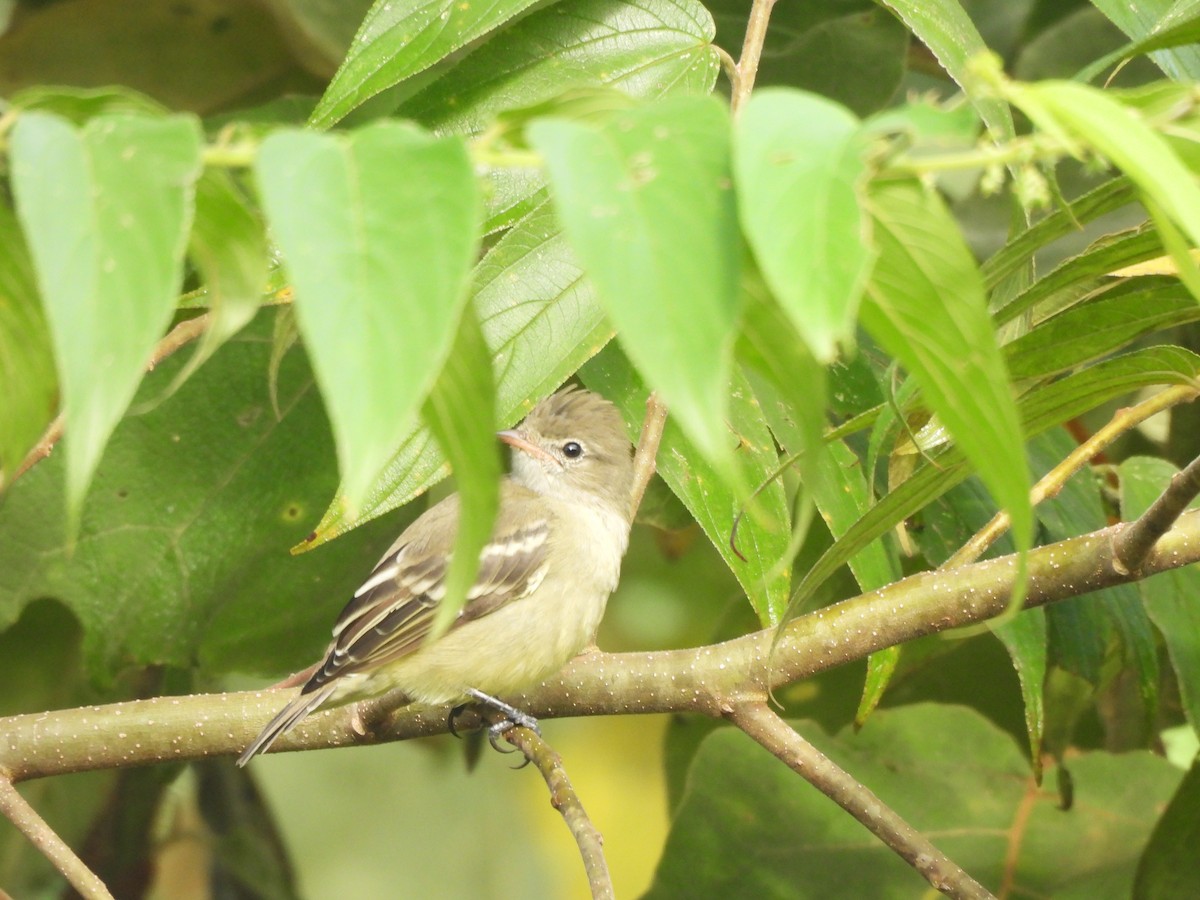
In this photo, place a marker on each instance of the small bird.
(544, 577)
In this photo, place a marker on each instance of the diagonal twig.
(54, 848)
(645, 461)
(1133, 543)
(566, 801)
(761, 723)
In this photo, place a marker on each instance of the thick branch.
(704, 680)
(566, 801)
(761, 723)
(42, 836)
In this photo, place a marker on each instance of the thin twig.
(647, 450)
(42, 836)
(1054, 480)
(177, 337)
(761, 723)
(752, 47)
(1133, 543)
(566, 801)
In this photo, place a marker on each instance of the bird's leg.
(513, 717)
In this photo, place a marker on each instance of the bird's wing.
(394, 609)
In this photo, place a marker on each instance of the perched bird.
(544, 577)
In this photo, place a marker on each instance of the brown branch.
(700, 680)
(42, 836)
(752, 47)
(1133, 543)
(1053, 481)
(645, 461)
(761, 723)
(566, 801)
(186, 331)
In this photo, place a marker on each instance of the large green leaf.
(800, 171)
(645, 48)
(541, 322)
(379, 244)
(106, 210)
(182, 556)
(748, 826)
(1167, 868)
(398, 39)
(27, 381)
(926, 306)
(759, 561)
(647, 202)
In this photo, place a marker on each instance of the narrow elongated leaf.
(1145, 18)
(106, 209)
(541, 322)
(461, 413)
(763, 533)
(379, 243)
(1081, 276)
(398, 39)
(646, 49)
(27, 380)
(1098, 329)
(647, 202)
(926, 306)
(1041, 409)
(1170, 33)
(1123, 138)
(1170, 599)
(944, 27)
(800, 170)
(229, 249)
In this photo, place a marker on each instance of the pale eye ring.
(572, 449)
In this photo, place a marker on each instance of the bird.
(545, 575)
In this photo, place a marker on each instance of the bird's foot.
(513, 718)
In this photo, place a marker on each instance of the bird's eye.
(572, 450)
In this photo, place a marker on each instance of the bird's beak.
(519, 441)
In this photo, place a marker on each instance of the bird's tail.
(285, 720)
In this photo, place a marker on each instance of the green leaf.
(926, 306)
(1093, 330)
(1014, 255)
(763, 533)
(944, 27)
(647, 202)
(750, 827)
(379, 244)
(1024, 637)
(182, 557)
(1170, 33)
(229, 249)
(1146, 18)
(1084, 275)
(541, 322)
(106, 210)
(1121, 136)
(1169, 598)
(799, 164)
(27, 380)
(461, 414)
(399, 39)
(1168, 866)
(646, 48)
